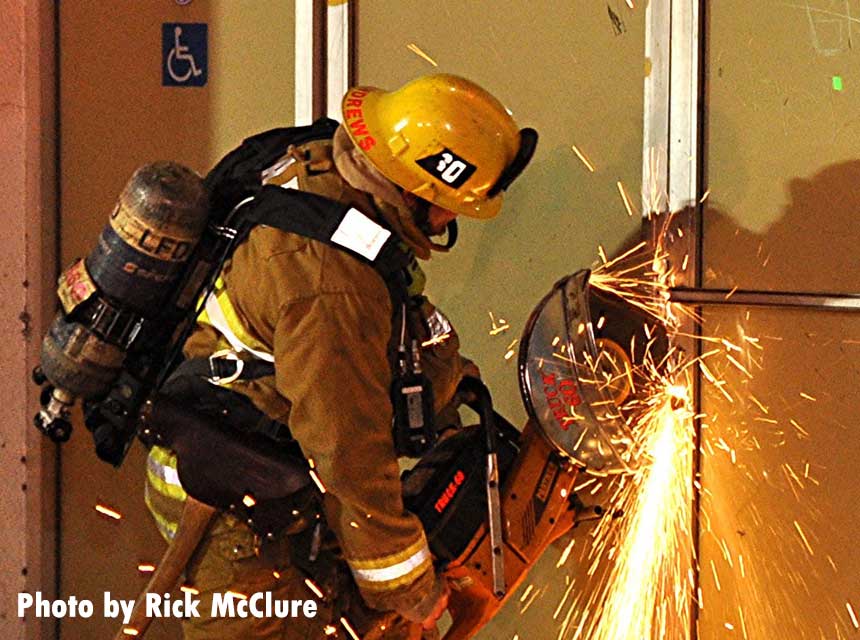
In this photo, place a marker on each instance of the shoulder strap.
(237, 175)
(337, 225)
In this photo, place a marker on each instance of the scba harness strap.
(238, 175)
(335, 224)
(237, 184)
(240, 202)
(322, 219)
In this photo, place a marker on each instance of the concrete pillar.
(28, 223)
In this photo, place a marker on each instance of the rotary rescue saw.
(491, 508)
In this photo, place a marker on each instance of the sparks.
(649, 554)
(146, 568)
(641, 569)
(498, 327)
(565, 554)
(106, 511)
(640, 562)
(853, 615)
(314, 588)
(345, 623)
(432, 342)
(317, 480)
(414, 48)
(527, 592)
(803, 537)
(582, 157)
(602, 253)
(627, 203)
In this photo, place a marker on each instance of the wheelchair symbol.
(180, 59)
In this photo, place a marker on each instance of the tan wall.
(115, 117)
(783, 156)
(27, 271)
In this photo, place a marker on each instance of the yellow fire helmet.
(442, 138)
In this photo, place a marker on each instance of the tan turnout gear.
(325, 320)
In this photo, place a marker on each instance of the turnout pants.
(227, 561)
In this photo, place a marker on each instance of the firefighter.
(411, 160)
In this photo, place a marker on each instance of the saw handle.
(478, 398)
(475, 395)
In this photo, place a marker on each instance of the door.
(778, 532)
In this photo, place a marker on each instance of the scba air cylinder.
(130, 276)
(152, 232)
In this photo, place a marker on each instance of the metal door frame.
(325, 57)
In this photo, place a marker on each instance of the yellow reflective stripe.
(203, 318)
(376, 584)
(165, 480)
(162, 456)
(394, 570)
(220, 313)
(162, 477)
(165, 527)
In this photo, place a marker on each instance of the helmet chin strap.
(450, 240)
(421, 215)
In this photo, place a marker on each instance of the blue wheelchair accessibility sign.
(184, 54)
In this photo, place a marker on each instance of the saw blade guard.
(574, 380)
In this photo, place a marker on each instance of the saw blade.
(577, 366)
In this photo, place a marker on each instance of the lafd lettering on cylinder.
(164, 247)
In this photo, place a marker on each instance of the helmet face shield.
(440, 137)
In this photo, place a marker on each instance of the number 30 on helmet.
(443, 138)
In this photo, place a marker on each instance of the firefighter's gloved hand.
(429, 623)
(431, 608)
